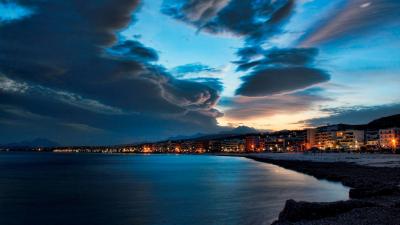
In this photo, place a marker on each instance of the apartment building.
(389, 138)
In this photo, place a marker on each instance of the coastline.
(374, 194)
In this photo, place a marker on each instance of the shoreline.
(374, 197)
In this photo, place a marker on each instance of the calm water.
(87, 189)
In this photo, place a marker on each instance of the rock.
(357, 193)
(298, 211)
(396, 205)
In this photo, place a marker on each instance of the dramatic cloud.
(274, 70)
(252, 19)
(136, 50)
(280, 71)
(199, 73)
(355, 114)
(277, 57)
(273, 112)
(280, 80)
(89, 72)
(249, 52)
(65, 63)
(8, 85)
(242, 108)
(353, 19)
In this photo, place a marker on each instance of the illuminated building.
(389, 138)
(310, 138)
(187, 146)
(372, 139)
(252, 143)
(350, 139)
(201, 146)
(325, 139)
(261, 145)
(232, 145)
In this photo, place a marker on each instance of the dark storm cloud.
(254, 19)
(214, 83)
(280, 71)
(199, 73)
(271, 81)
(190, 94)
(196, 12)
(278, 57)
(65, 62)
(292, 56)
(355, 115)
(136, 50)
(352, 20)
(249, 52)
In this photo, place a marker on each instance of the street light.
(394, 143)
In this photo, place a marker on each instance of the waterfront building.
(389, 138)
(200, 146)
(372, 139)
(252, 143)
(350, 139)
(295, 140)
(187, 146)
(232, 145)
(261, 145)
(176, 147)
(310, 138)
(277, 145)
(325, 140)
(214, 146)
(326, 136)
(147, 148)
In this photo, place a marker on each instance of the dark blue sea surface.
(91, 189)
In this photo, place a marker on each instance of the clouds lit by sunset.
(120, 71)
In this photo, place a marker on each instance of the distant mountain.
(241, 130)
(36, 143)
(184, 137)
(385, 122)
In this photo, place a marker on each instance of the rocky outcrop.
(299, 211)
(366, 192)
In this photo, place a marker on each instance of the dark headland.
(374, 194)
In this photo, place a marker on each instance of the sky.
(124, 71)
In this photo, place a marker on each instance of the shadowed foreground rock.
(298, 211)
(359, 193)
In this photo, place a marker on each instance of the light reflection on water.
(152, 189)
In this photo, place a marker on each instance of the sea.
(118, 189)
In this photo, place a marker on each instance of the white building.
(232, 145)
(350, 139)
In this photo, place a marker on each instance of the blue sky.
(109, 72)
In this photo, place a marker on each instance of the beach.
(373, 178)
